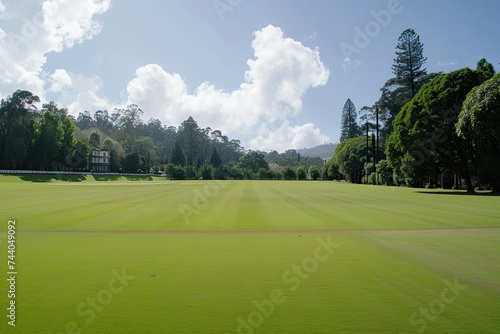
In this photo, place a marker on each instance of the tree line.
(50, 139)
(426, 129)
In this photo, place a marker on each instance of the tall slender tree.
(215, 159)
(349, 127)
(178, 158)
(189, 135)
(409, 61)
(366, 116)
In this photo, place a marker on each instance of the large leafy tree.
(253, 161)
(479, 122)
(79, 156)
(409, 77)
(215, 159)
(424, 144)
(190, 138)
(17, 115)
(485, 68)
(68, 142)
(178, 158)
(84, 120)
(350, 157)
(103, 122)
(131, 162)
(47, 143)
(348, 126)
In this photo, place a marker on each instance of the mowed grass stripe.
(287, 204)
(203, 276)
(207, 282)
(315, 210)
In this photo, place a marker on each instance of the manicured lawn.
(138, 256)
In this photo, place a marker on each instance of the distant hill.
(324, 151)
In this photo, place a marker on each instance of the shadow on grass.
(139, 178)
(50, 178)
(459, 192)
(104, 177)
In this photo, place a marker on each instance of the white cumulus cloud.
(26, 40)
(60, 79)
(261, 109)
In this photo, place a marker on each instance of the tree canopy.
(424, 144)
(479, 123)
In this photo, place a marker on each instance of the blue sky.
(274, 74)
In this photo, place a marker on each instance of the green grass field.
(150, 256)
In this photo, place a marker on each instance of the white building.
(99, 161)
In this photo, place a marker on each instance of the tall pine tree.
(215, 159)
(409, 61)
(349, 128)
(409, 77)
(178, 158)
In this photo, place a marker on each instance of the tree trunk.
(376, 150)
(468, 181)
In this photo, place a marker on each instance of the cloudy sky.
(272, 73)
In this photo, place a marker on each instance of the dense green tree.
(235, 172)
(215, 159)
(253, 161)
(301, 173)
(331, 170)
(314, 172)
(292, 155)
(68, 142)
(146, 147)
(350, 157)
(485, 69)
(16, 148)
(384, 172)
(170, 171)
(84, 120)
(131, 162)
(178, 158)
(190, 172)
(206, 172)
(189, 137)
(114, 157)
(47, 142)
(103, 122)
(424, 144)
(79, 157)
(17, 116)
(479, 122)
(348, 126)
(66, 154)
(179, 173)
(289, 173)
(265, 174)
